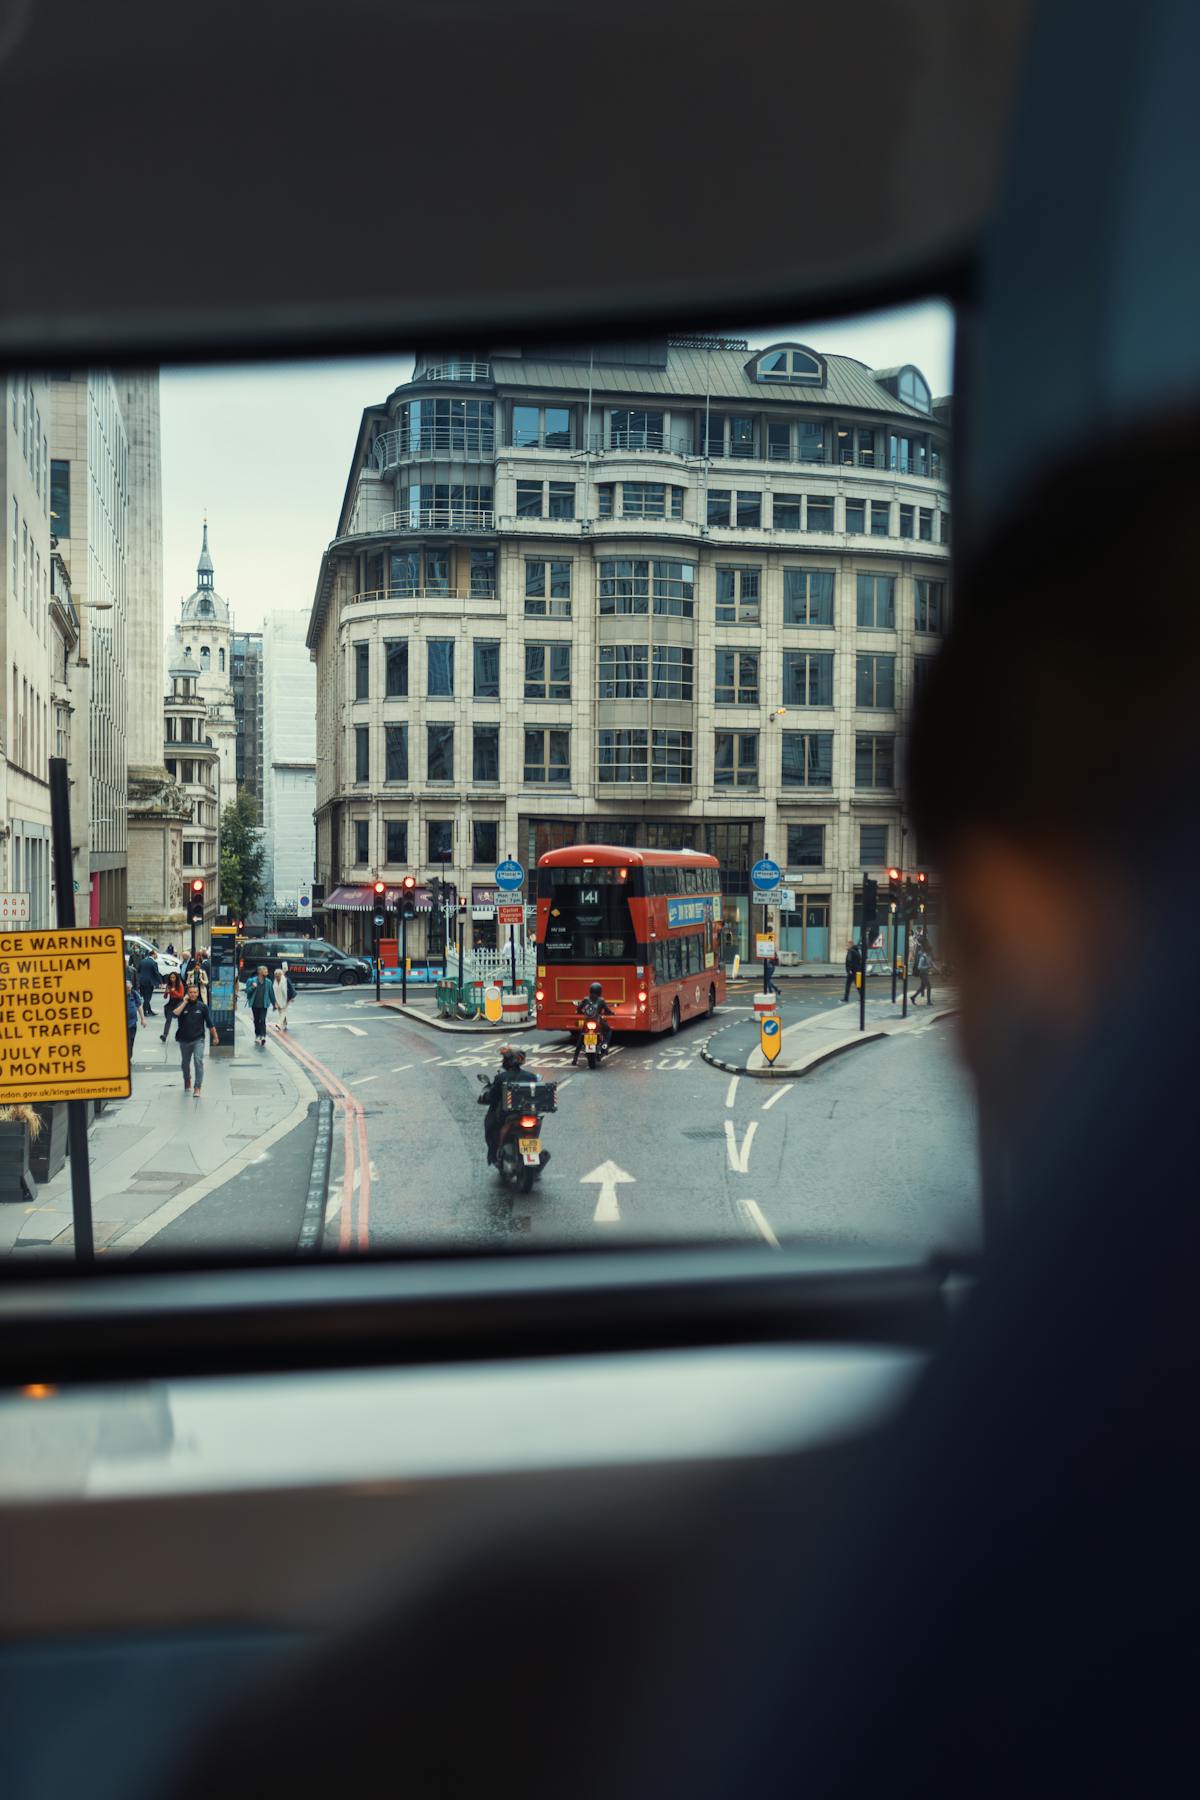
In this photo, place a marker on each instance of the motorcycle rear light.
(529, 1124)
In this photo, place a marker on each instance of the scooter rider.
(511, 1069)
(595, 1007)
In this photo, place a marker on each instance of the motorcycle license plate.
(589, 1040)
(530, 1148)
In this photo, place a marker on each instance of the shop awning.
(361, 898)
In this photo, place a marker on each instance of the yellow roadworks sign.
(769, 1035)
(63, 1033)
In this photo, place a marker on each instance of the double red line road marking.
(354, 1139)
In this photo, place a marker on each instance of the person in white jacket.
(282, 996)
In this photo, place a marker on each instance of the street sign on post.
(63, 1034)
(764, 946)
(509, 875)
(769, 1036)
(765, 874)
(509, 915)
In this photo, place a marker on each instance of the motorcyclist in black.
(595, 1007)
(512, 1068)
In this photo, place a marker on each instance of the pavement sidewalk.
(154, 1155)
(812, 1040)
(423, 1006)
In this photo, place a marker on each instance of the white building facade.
(676, 594)
(27, 715)
(289, 762)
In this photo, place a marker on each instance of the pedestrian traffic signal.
(870, 901)
(195, 904)
(895, 885)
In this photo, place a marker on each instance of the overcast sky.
(266, 452)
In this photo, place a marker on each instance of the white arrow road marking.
(754, 1216)
(356, 1029)
(607, 1175)
(739, 1160)
(731, 1091)
(776, 1098)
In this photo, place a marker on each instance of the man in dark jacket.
(194, 1029)
(512, 1068)
(853, 966)
(147, 977)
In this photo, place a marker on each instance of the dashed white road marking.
(739, 1159)
(430, 1059)
(776, 1098)
(333, 1209)
(362, 1080)
(731, 1091)
(402, 1069)
(755, 1217)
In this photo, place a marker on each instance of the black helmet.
(510, 1058)
(595, 991)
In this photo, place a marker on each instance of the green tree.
(242, 858)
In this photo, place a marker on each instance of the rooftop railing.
(455, 369)
(404, 591)
(438, 518)
(393, 446)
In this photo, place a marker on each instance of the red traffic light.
(922, 878)
(380, 887)
(408, 883)
(893, 874)
(198, 885)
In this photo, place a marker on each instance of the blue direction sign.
(509, 875)
(769, 1037)
(765, 873)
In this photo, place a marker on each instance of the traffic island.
(736, 1048)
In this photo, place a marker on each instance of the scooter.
(520, 1158)
(590, 1039)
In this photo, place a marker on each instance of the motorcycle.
(520, 1158)
(590, 1039)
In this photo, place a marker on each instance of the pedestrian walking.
(174, 992)
(133, 1017)
(147, 980)
(923, 965)
(770, 964)
(260, 996)
(285, 993)
(192, 1033)
(854, 965)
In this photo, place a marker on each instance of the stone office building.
(674, 594)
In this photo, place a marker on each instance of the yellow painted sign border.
(54, 1013)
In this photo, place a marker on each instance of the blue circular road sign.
(765, 873)
(509, 874)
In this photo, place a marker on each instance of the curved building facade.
(670, 594)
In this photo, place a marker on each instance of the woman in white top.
(281, 996)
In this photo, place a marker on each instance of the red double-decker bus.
(646, 924)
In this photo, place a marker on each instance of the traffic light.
(895, 886)
(380, 889)
(408, 889)
(922, 889)
(870, 900)
(195, 904)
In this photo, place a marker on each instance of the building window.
(530, 499)
(806, 846)
(627, 585)
(433, 427)
(671, 758)
(622, 756)
(907, 520)
(874, 760)
(930, 597)
(736, 678)
(881, 518)
(396, 840)
(485, 842)
(362, 841)
(485, 753)
(439, 835)
(485, 656)
(221, 660)
(787, 512)
(720, 506)
(440, 667)
(875, 680)
(362, 671)
(395, 669)
(727, 436)
(548, 758)
(623, 672)
(807, 759)
(483, 574)
(605, 502)
(60, 499)
(548, 590)
(362, 753)
(808, 678)
(749, 509)
(925, 524)
(561, 495)
(789, 365)
(672, 672)
(645, 500)
(439, 752)
(944, 534)
(547, 671)
(921, 668)
(856, 518)
(541, 427)
(632, 428)
(205, 656)
(872, 846)
(779, 443)
(808, 596)
(877, 602)
(737, 507)
(819, 513)
(737, 597)
(856, 446)
(395, 753)
(189, 851)
(736, 759)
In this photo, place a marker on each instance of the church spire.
(204, 568)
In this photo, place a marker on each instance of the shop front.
(804, 931)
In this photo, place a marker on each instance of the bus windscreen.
(589, 920)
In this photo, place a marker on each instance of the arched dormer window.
(788, 362)
(908, 384)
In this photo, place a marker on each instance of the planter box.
(16, 1182)
(49, 1154)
